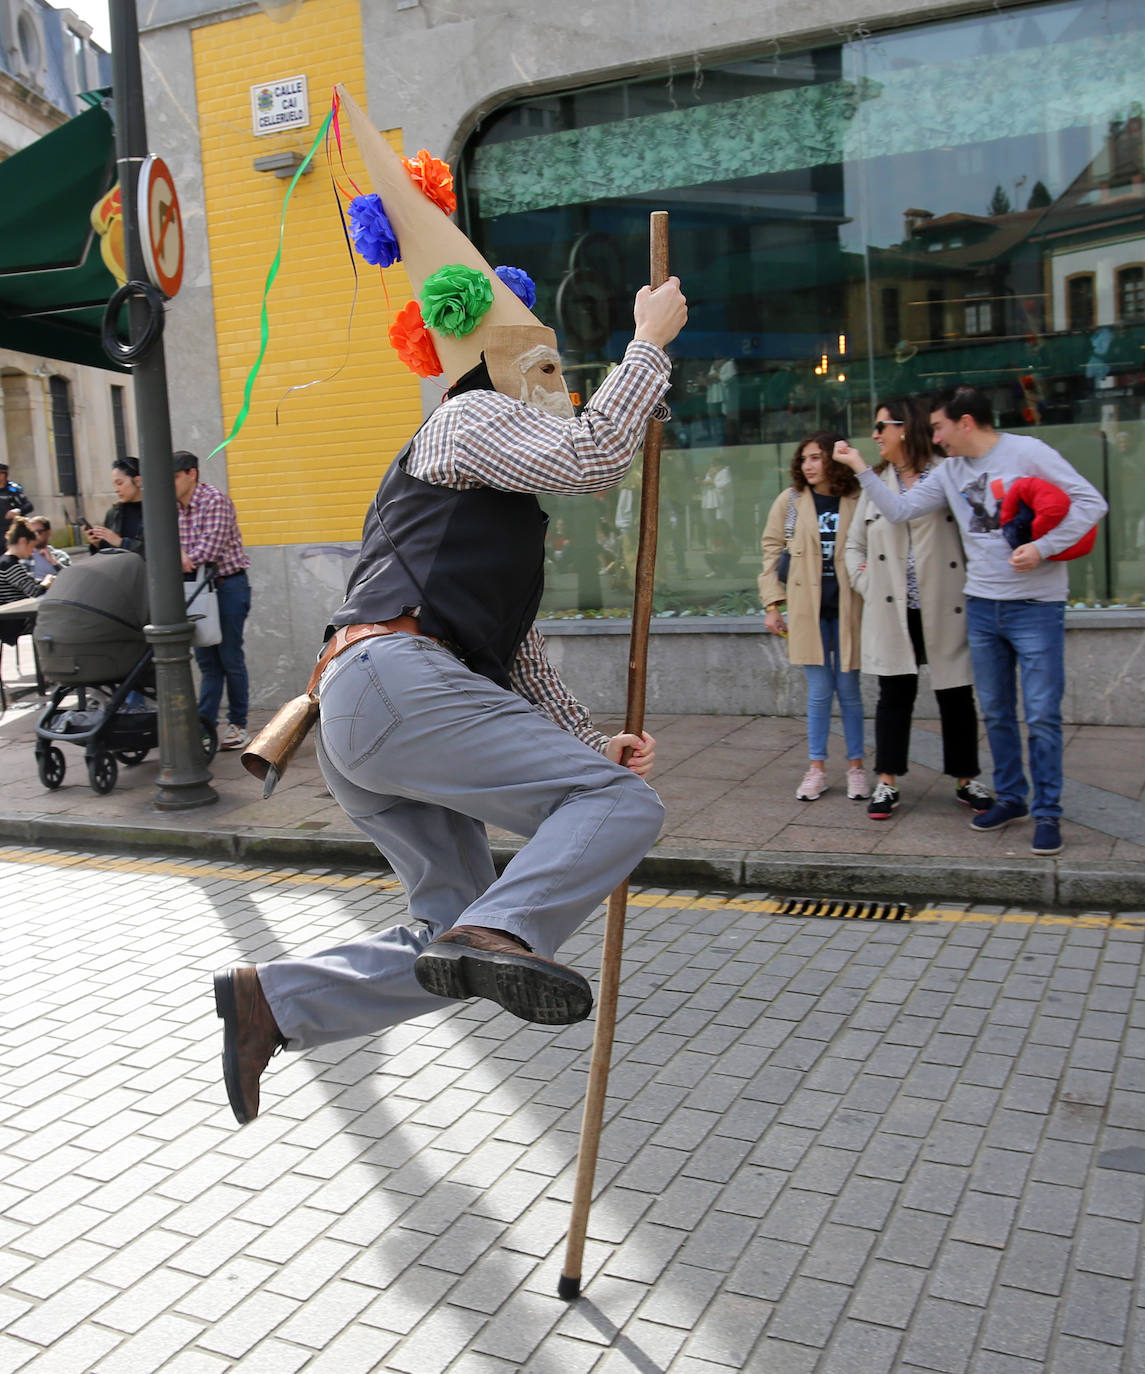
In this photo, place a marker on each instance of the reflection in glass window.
(979, 315)
(890, 305)
(934, 315)
(1131, 294)
(1081, 297)
(961, 200)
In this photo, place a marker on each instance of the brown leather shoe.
(472, 961)
(250, 1037)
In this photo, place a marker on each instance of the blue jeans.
(1029, 635)
(824, 681)
(225, 661)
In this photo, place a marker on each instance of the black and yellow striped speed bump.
(845, 910)
(775, 906)
(833, 908)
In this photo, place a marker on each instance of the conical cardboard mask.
(508, 333)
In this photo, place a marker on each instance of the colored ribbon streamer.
(340, 192)
(337, 105)
(272, 273)
(336, 187)
(337, 128)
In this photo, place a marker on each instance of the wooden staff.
(569, 1284)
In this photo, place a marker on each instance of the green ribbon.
(272, 273)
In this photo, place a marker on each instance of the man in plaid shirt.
(209, 533)
(446, 715)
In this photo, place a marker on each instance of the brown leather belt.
(346, 636)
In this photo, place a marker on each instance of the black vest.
(470, 565)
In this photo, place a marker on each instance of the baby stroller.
(90, 641)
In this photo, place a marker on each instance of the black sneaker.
(1047, 838)
(883, 801)
(973, 794)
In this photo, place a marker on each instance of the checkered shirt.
(485, 439)
(209, 531)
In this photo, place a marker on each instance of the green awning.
(53, 282)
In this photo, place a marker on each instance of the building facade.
(861, 205)
(61, 425)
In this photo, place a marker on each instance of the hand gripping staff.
(569, 1285)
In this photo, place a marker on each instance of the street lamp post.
(184, 779)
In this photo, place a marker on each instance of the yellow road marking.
(172, 868)
(687, 903)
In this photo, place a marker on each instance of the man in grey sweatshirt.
(1015, 598)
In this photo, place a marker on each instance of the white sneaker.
(857, 787)
(234, 737)
(813, 786)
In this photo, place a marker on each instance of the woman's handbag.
(783, 566)
(203, 607)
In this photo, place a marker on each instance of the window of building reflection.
(958, 201)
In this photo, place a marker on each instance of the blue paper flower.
(520, 283)
(372, 232)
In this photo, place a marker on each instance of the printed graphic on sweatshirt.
(982, 519)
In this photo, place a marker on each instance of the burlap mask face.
(524, 364)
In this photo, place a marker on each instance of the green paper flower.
(454, 299)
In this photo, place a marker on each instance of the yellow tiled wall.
(310, 477)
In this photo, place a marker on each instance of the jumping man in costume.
(440, 712)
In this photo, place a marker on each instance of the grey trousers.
(421, 754)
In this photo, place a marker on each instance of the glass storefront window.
(959, 201)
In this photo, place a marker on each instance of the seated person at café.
(46, 559)
(16, 582)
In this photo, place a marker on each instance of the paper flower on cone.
(454, 299)
(373, 235)
(412, 342)
(520, 283)
(434, 178)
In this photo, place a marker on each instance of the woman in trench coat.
(823, 613)
(911, 577)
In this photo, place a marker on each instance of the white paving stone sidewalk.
(832, 1147)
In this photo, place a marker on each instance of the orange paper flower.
(434, 179)
(412, 342)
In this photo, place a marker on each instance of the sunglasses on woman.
(880, 425)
